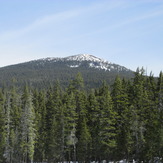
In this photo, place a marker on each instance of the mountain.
(42, 72)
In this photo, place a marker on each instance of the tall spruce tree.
(8, 147)
(138, 111)
(27, 127)
(15, 107)
(40, 120)
(121, 106)
(70, 125)
(94, 125)
(160, 110)
(75, 90)
(2, 127)
(151, 120)
(83, 133)
(55, 125)
(84, 139)
(107, 131)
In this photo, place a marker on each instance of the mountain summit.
(41, 72)
(87, 60)
(84, 57)
(79, 57)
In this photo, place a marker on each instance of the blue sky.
(126, 32)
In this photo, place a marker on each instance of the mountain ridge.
(103, 64)
(78, 57)
(47, 70)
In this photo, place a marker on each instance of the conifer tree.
(70, 125)
(14, 126)
(75, 108)
(151, 120)
(138, 111)
(40, 120)
(94, 125)
(83, 133)
(160, 111)
(2, 127)
(84, 140)
(76, 84)
(121, 106)
(55, 125)
(107, 131)
(27, 127)
(8, 147)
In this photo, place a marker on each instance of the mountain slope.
(42, 72)
(78, 60)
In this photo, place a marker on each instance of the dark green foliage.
(123, 120)
(107, 130)
(94, 125)
(160, 112)
(27, 127)
(52, 125)
(41, 73)
(84, 140)
(39, 103)
(2, 127)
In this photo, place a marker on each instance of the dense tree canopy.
(124, 120)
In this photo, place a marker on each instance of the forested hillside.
(42, 72)
(123, 121)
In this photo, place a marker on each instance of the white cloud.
(40, 22)
(131, 20)
(60, 17)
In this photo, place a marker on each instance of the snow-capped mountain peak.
(84, 57)
(91, 61)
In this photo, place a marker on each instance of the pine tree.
(40, 120)
(14, 126)
(76, 84)
(84, 140)
(94, 125)
(27, 127)
(75, 91)
(160, 111)
(121, 106)
(2, 127)
(151, 120)
(83, 133)
(55, 125)
(70, 125)
(138, 111)
(49, 120)
(107, 131)
(8, 147)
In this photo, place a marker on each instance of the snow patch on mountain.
(100, 66)
(49, 59)
(79, 57)
(74, 66)
(92, 61)
(84, 57)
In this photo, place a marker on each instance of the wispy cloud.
(60, 17)
(95, 8)
(56, 18)
(130, 20)
(40, 23)
(138, 18)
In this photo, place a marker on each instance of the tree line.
(123, 121)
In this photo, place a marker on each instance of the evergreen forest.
(110, 122)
